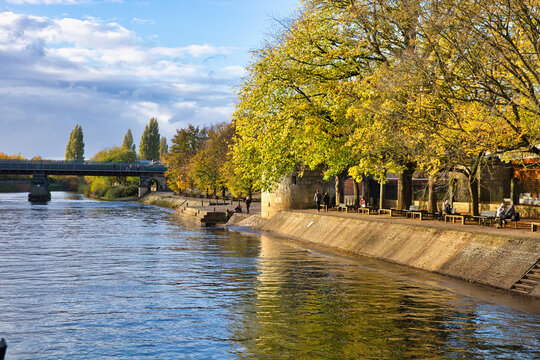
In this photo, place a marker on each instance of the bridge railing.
(83, 166)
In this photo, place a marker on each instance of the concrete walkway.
(470, 226)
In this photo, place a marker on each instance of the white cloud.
(58, 72)
(235, 71)
(143, 21)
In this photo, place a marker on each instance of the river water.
(81, 279)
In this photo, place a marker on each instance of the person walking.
(248, 203)
(318, 199)
(326, 201)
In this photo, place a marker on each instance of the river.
(81, 279)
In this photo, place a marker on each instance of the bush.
(124, 191)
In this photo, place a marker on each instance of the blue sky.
(111, 65)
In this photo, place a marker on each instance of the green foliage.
(75, 146)
(112, 187)
(163, 147)
(115, 154)
(370, 86)
(128, 141)
(150, 141)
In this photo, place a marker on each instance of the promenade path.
(470, 227)
(255, 209)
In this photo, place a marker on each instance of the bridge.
(147, 172)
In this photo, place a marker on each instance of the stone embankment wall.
(499, 260)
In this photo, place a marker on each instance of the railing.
(82, 167)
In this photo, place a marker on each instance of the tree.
(163, 147)
(75, 146)
(150, 140)
(184, 146)
(206, 166)
(287, 116)
(128, 141)
(112, 186)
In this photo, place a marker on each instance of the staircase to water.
(529, 281)
(202, 217)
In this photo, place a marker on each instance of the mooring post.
(3, 348)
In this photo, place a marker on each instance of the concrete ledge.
(499, 260)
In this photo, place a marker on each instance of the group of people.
(321, 199)
(503, 214)
(238, 207)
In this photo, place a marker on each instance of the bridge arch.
(146, 182)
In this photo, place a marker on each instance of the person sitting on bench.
(501, 215)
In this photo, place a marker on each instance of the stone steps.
(529, 281)
(202, 217)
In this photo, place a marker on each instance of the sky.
(111, 65)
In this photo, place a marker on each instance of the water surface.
(81, 279)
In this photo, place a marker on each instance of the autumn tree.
(287, 116)
(128, 141)
(150, 141)
(75, 146)
(206, 166)
(184, 146)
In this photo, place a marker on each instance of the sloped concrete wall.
(496, 260)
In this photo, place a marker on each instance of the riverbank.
(479, 254)
(484, 255)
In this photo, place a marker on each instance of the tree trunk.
(514, 191)
(474, 193)
(356, 194)
(405, 187)
(432, 195)
(452, 190)
(381, 196)
(339, 190)
(365, 189)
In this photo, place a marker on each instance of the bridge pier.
(39, 188)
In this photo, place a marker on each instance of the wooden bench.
(386, 211)
(368, 210)
(351, 208)
(485, 217)
(341, 207)
(414, 214)
(534, 226)
(454, 217)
